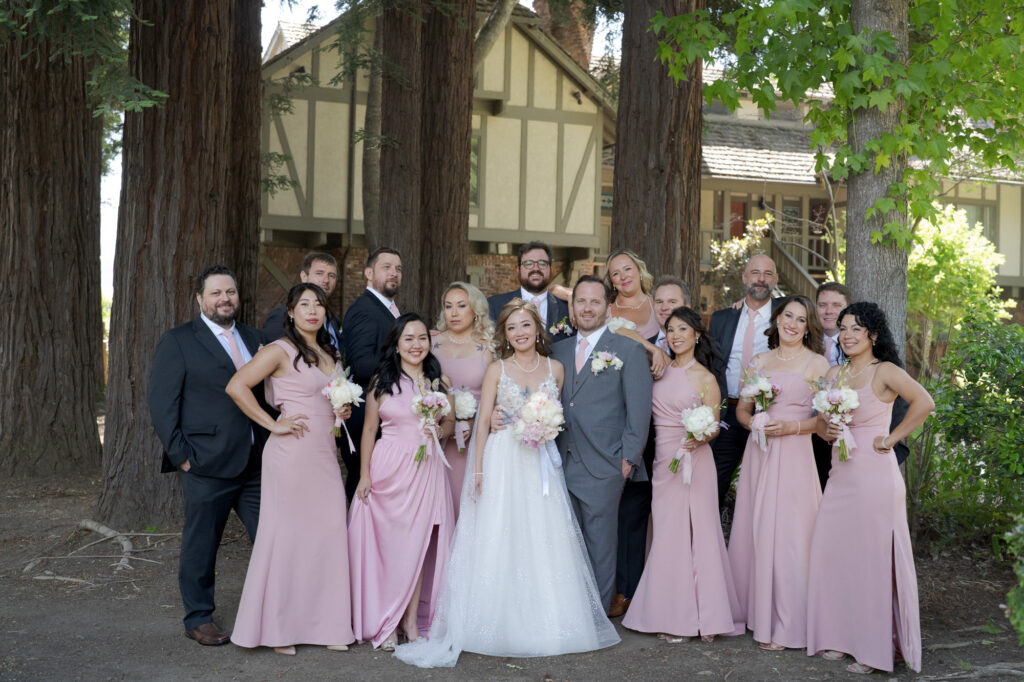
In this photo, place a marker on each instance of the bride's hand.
(478, 484)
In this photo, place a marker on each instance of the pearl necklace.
(782, 357)
(850, 373)
(638, 306)
(457, 343)
(523, 369)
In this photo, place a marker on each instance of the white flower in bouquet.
(617, 323)
(603, 360)
(465, 409)
(540, 419)
(342, 391)
(700, 424)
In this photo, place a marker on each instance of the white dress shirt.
(832, 357)
(381, 297)
(542, 307)
(734, 369)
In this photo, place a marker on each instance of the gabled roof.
(286, 35)
(760, 152)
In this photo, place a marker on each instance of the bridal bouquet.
(430, 405)
(700, 424)
(617, 323)
(540, 420)
(759, 389)
(465, 410)
(342, 391)
(836, 402)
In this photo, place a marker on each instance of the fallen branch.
(993, 670)
(110, 533)
(102, 556)
(62, 578)
(960, 645)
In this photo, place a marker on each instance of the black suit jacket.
(722, 331)
(367, 323)
(193, 416)
(273, 325)
(557, 309)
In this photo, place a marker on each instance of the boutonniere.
(562, 327)
(601, 360)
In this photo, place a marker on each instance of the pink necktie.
(829, 345)
(236, 355)
(394, 309)
(581, 354)
(536, 301)
(748, 338)
(663, 343)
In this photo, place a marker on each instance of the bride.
(518, 582)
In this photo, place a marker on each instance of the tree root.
(109, 533)
(1001, 670)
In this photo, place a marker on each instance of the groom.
(607, 413)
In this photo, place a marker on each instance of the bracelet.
(478, 473)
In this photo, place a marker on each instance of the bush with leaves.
(965, 475)
(1015, 600)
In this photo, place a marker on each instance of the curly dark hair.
(872, 318)
(704, 350)
(814, 337)
(389, 370)
(323, 337)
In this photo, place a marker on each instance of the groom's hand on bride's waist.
(498, 420)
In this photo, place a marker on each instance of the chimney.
(569, 26)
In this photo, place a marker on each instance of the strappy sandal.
(671, 639)
(390, 643)
(770, 646)
(707, 639)
(286, 650)
(860, 669)
(833, 655)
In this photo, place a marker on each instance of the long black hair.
(323, 339)
(704, 349)
(389, 370)
(872, 318)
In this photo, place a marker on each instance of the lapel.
(249, 337)
(553, 318)
(206, 339)
(732, 322)
(579, 380)
(382, 310)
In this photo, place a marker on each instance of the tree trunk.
(189, 198)
(50, 326)
(446, 137)
(877, 272)
(492, 29)
(401, 114)
(656, 192)
(371, 148)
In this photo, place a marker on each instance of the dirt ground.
(80, 618)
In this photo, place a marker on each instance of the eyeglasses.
(531, 263)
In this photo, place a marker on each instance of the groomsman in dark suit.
(738, 335)
(831, 298)
(534, 277)
(320, 269)
(635, 505)
(213, 446)
(367, 323)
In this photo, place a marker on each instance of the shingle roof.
(294, 33)
(757, 152)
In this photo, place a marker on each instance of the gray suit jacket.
(607, 415)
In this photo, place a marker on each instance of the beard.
(217, 318)
(534, 289)
(389, 289)
(759, 292)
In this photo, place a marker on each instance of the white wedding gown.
(519, 581)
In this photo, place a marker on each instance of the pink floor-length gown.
(465, 374)
(862, 595)
(297, 588)
(405, 524)
(686, 588)
(776, 503)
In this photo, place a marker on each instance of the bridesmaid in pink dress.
(628, 276)
(463, 345)
(297, 589)
(862, 596)
(778, 492)
(686, 588)
(400, 528)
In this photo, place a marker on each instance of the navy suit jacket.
(557, 309)
(193, 416)
(722, 331)
(367, 323)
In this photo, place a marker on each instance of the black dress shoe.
(208, 634)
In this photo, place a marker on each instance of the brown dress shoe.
(208, 634)
(619, 606)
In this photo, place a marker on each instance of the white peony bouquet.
(836, 403)
(540, 419)
(430, 405)
(465, 410)
(700, 424)
(342, 391)
(759, 389)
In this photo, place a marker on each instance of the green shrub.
(1015, 600)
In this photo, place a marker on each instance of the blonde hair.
(483, 328)
(515, 305)
(646, 278)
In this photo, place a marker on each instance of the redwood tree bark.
(656, 191)
(50, 327)
(877, 272)
(189, 198)
(446, 131)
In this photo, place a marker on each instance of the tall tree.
(933, 80)
(189, 198)
(50, 327)
(656, 192)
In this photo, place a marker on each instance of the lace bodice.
(512, 396)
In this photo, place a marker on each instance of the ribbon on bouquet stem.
(684, 455)
(339, 426)
(549, 461)
(846, 443)
(431, 437)
(757, 424)
(461, 431)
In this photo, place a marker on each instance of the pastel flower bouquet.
(465, 410)
(342, 391)
(540, 420)
(835, 402)
(759, 389)
(700, 424)
(430, 405)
